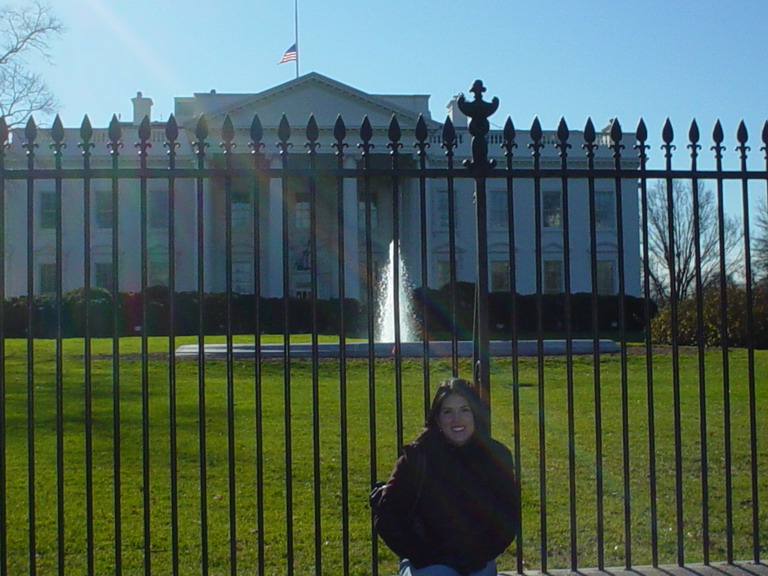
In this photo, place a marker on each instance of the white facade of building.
(326, 99)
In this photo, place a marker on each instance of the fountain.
(389, 286)
(411, 343)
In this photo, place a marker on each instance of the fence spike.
(509, 134)
(115, 131)
(536, 132)
(667, 133)
(284, 130)
(693, 132)
(422, 134)
(145, 133)
(742, 136)
(171, 137)
(421, 129)
(764, 135)
(449, 136)
(718, 136)
(30, 130)
(741, 133)
(86, 133)
(340, 134)
(641, 134)
(57, 131)
(393, 133)
(227, 133)
(145, 129)
(256, 133)
(366, 133)
(590, 135)
(201, 130)
(172, 129)
(717, 133)
(616, 132)
(589, 132)
(693, 138)
(3, 132)
(86, 129)
(313, 132)
(563, 133)
(339, 129)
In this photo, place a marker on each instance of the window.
(605, 210)
(303, 291)
(303, 260)
(104, 276)
(552, 209)
(157, 206)
(241, 209)
(499, 276)
(302, 216)
(242, 277)
(47, 278)
(553, 276)
(442, 212)
(498, 210)
(372, 199)
(442, 272)
(605, 277)
(157, 273)
(47, 210)
(103, 209)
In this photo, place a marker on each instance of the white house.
(326, 99)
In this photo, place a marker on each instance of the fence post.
(479, 166)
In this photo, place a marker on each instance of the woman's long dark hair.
(467, 391)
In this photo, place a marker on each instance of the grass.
(313, 414)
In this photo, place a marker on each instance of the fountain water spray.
(388, 287)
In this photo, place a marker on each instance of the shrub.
(709, 330)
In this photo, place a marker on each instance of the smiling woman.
(456, 420)
(451, 505)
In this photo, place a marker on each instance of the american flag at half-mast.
(290, 55)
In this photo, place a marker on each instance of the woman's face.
(456, 420)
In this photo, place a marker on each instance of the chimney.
(457, 116)
(141, 107)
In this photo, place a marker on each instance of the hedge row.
(437, 304)
(712, 333)
(526, 311)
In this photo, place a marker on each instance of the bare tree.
(760, 242)
(674, 248)
(24, 31)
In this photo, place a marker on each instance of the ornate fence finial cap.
(478, 112)
(478, 89)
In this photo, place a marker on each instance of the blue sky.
(575, 59)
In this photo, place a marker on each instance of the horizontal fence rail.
(621, 311)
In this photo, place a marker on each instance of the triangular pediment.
(311, 94)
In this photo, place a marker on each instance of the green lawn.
(303, 396)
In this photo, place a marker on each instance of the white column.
(212, 254)
(351, 244)
(273, 284)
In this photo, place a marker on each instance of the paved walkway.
(738, 569)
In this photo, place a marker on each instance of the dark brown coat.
(468, 512)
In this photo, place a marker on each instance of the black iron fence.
(120, 454)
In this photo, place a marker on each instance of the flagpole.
(296, 32)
